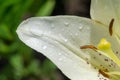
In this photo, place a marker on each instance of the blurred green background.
(17, 61)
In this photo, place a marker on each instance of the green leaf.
(46, 8)
(13, 47)
(5, 4)
(5, 32)
(16, 12)
(34, 67)
(17, 63)
(48, 67)
(3, 47)
(3, 77)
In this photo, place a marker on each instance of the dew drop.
(60, 59)
(80, 28)
(66, 24)
(76, 34)
(66, 40)
(59, 54)
(44, 47)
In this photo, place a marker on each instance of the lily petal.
(59, 38)
(106, 10)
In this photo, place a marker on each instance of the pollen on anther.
(88, 46)
(104, 74)
(111, 27)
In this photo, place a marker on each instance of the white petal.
(59, 38)
(105, 10)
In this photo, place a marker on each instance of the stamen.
(88, 46)
(104, 73)
(110, 27)
(104, 47)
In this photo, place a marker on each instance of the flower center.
(104, 47)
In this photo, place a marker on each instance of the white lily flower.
(61, 37)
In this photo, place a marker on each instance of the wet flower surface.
(82, 48)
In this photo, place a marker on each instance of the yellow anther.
(104, 45)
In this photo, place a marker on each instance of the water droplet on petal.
(76, 34)
(60, 59)
(59, 54)
(80, 28)
(44, 47)
(66, 40)
(67, 24)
